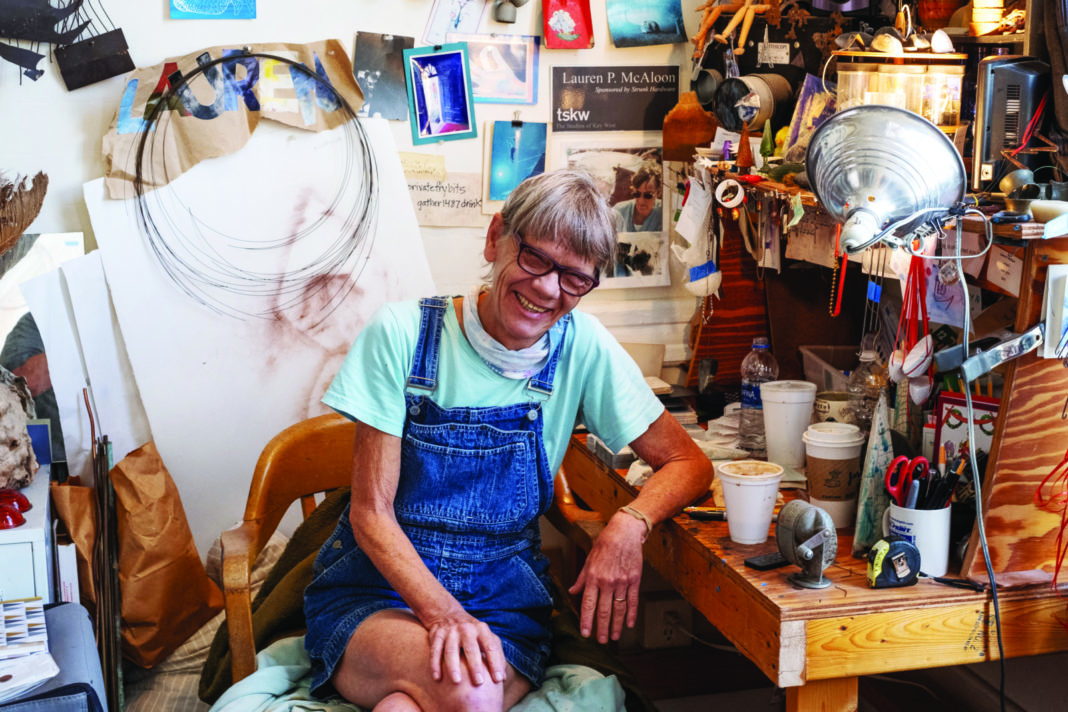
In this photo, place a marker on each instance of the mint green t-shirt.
(596, 381)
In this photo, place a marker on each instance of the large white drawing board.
(216, 388)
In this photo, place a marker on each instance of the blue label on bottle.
(751, 396)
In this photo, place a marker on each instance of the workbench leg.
(834, 695)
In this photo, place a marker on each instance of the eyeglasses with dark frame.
(537, 264)
(648, 194)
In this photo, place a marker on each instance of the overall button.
(337, 543)
(532, 415)
(528, 533)
(414, 410)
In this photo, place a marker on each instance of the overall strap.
(424, 371)
(542, 381)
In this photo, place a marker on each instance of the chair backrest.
(309, 457)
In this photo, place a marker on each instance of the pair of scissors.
(902, 473)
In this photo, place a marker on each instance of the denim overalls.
(473, 483)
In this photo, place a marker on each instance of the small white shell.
(919, 357)
(920, 389)
(895, 366)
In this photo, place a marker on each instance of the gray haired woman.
(432, 593)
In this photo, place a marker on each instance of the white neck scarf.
(517, 365)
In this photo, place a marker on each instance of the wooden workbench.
(815, 643)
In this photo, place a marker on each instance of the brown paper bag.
(76, 507)
(166, 593)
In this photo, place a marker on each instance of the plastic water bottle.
(758, 367)
(866, 383)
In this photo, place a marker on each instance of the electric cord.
(976, 481)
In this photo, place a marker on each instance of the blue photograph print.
(518, 153)
(213, 9)
(639, 23)
(440, 102)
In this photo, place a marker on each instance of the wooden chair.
(305, 459)
(311, 457)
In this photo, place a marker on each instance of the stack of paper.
(24, 659)
(1055, 313)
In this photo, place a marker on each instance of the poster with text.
(613, 98)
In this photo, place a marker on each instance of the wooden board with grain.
(735, 319)
(1030, 439)
(798, 636)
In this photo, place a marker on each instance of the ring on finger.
(620, 600)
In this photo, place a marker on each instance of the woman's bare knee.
(397, 702)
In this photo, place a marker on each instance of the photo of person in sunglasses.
(644, 212)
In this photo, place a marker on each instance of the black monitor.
(1009, 89)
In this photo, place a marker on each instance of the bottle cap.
(760, 342)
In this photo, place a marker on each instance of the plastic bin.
(829, 366)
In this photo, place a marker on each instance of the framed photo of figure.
(629, 173)
(504, 68)
(440, 103)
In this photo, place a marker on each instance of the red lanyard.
(1056, 501)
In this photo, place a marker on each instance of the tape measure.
(893, 562)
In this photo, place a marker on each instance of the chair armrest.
(579, 525)
(237, 561)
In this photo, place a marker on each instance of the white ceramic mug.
(927, 529)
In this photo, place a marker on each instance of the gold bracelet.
(637, 514)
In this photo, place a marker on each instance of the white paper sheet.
(217, 388)
(48, 301)
(116, 400)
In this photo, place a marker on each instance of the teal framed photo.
(440, 100)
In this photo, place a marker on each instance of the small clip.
(516, 121)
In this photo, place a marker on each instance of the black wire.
(204, 274)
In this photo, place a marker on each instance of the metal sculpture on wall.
(103, 54)
(216, 265)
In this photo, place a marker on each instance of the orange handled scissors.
(900, 475)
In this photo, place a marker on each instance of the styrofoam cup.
(787, 412)
(750, 488)
(928, 529)
(833, 468)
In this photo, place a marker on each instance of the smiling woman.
(464, 408)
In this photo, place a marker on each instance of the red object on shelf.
(10, 517)
(567, 24)
(16, 499)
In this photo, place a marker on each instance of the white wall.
(45, 127)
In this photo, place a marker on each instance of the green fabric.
(282, 684)
(278, 611)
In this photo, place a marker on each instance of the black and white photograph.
(630, 176)
(378, 64)
(504, 68)
(640, 23)
(440, 104)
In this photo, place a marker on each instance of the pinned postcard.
(517, 152)
(440, 103)
(453, 16)
(504, 68)
(378, 64)
(640, 23)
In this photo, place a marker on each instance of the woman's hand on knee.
(461, 642)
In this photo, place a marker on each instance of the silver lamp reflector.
(871, 166)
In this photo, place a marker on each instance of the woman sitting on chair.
(432, 592)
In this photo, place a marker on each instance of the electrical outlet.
(664, 620)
